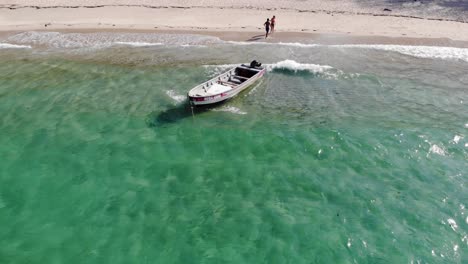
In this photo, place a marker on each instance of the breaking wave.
(288, 66)
(13, 46)
(107, 39)
(138, 44)
(292, 65)
(431, 52)
(324, 71)
(289, 44)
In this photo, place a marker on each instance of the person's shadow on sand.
(255, 38)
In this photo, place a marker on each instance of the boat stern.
(205, 100)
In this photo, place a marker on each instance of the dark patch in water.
(169, 116)
(174, 115)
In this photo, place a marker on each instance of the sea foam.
(106, 39)
(261, 43)
(176, 97)
(13, 46)
(290, 65)
(296, 66)
(285, 65)
(437, 150)
(230, 109)
(431, 52)
(452, 224)
(138, 44)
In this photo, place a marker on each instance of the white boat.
(226, 85)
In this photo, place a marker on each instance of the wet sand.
(240, 21)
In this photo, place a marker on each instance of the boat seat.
(225, 83)
(238, 79)
(235, 81)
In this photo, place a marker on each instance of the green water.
(103, 162)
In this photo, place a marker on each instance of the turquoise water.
(340, 154)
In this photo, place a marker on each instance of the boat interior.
(227, 81)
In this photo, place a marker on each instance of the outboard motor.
(254, 64)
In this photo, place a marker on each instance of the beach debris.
(47, 24)
(387, 10)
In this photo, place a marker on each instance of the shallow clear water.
(340, 154)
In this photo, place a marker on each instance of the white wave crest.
(296, 66)
(193, 46)
(13, 46)
(430, 52)
(452, 224)
(247, 43)
(299, 45)
(457, 139)
(230, 109)
(176, 97)
(138, 44)
(289, 44)
(437, 150)
(107, 39)
(327, 71)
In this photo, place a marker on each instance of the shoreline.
(234, 20)
(277, 37)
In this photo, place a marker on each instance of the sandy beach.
(324, 21)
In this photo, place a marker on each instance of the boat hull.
(225, 95)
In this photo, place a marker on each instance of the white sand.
(325, 17)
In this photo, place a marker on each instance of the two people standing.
(269, 24)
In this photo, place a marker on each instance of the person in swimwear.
(272, 23)
(267, 27)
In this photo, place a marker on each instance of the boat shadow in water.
(176, 114)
